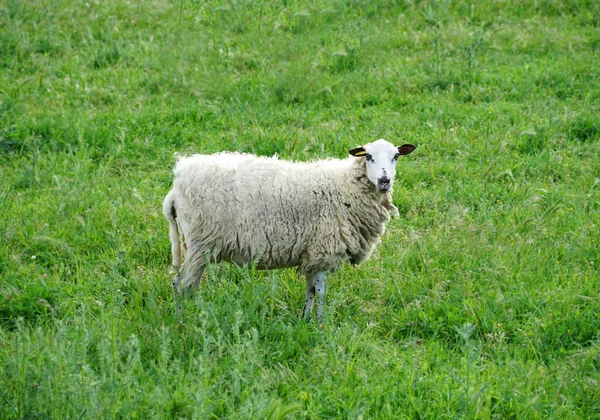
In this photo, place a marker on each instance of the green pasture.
(483, 299)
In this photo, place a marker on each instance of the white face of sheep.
(381, 157)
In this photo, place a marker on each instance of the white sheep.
(274, 213)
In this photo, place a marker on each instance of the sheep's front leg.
(320, 284)
(315, 283)
(310, 297)
(389, 206)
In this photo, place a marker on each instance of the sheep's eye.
(369, 158)
(396, 156)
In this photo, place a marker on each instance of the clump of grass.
(532, 142)
(583, 129)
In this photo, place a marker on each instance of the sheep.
(274, 213)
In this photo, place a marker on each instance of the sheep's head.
(381, 157)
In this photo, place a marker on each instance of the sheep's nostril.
(384, 180)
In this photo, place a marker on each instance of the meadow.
(483, 299)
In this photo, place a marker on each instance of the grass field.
(483, 300)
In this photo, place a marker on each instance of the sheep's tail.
(170, 213)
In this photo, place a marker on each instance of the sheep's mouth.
(384, 187)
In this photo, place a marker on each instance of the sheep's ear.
(359, 151)
(406, 149)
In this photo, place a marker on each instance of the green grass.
(483, 300)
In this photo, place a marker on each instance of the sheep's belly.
(258, 264)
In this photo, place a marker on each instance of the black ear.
(359, 151)
(406, 149)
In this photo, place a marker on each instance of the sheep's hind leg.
(187, 279)
(191, 271)
(315, 283)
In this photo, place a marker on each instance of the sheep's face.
(381, 157)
